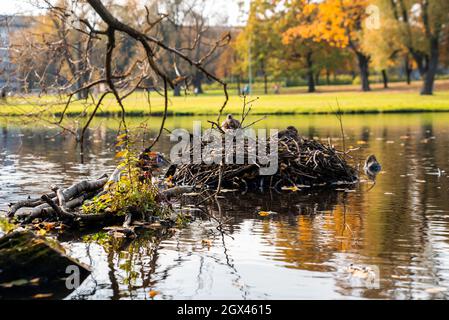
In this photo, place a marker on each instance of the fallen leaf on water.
(153, 293)
(19, 282)
(42, 295)
(42, 232)
(206, 242)
(293, 188)
(266, 213)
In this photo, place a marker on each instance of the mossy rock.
(33, 267)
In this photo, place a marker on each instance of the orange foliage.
(337, 22)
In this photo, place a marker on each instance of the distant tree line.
(284, 39)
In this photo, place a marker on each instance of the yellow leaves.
(122, 137)
(42, 232)
(118, 144)
(331, 21)
(121, 154)
(49, 226)
(169, 181)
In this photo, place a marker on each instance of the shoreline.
(136, 114)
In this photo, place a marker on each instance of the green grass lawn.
(350, 101)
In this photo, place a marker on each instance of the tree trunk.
(239, 88)
(310, 75)
(265, 82)
(364, 70)
(420, 62)
(385, 78)
(429, 77)
(408, 70)
(197, 81)
(317, 78)
(328, 77)
(177, 90)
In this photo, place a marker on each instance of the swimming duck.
(230, 123)
(372, 165)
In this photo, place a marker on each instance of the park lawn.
(298, 103)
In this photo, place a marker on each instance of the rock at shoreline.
(31, 267)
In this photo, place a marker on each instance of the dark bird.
(290, 132)
(372, 166)
(230, 123)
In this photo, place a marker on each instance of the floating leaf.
(206, 242)
(42, 295)
(153, 293)
(293, 188)
(266, 213)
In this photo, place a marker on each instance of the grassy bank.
(399, 98)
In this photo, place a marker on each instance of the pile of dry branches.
(301, 162)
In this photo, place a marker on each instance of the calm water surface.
(400, 225)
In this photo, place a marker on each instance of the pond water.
(399, 226)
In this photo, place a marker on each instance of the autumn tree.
(308, 53)
(258, 41)
(421, 26)
(339, 23)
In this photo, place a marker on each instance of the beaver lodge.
(301, 163)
